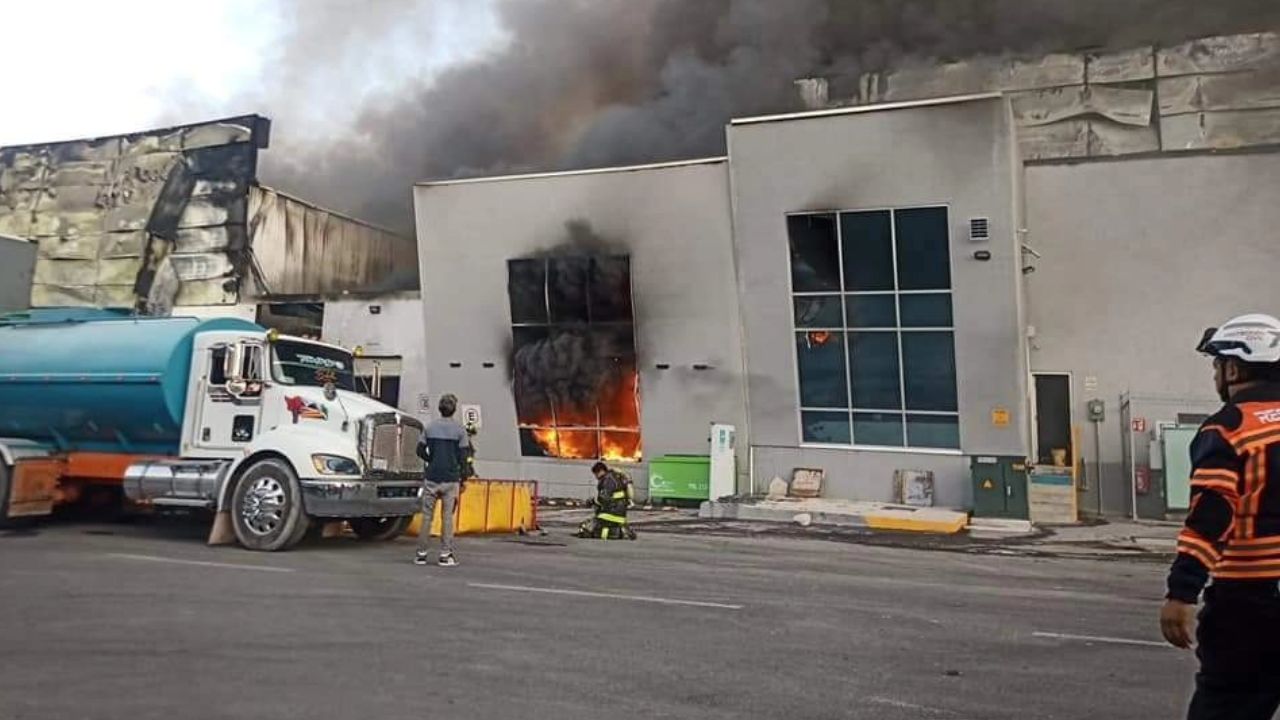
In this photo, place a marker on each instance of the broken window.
(575, 375)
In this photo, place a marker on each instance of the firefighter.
(614, 495)
(1232, 531)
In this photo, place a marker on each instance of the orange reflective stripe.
(1200, 555)
(1227, 489)
(1188, 540)
(1256, 542)
(1254, 553)
(1256, 440)
(1210, 474)
(1238, 567)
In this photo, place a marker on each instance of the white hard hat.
(1251, 338)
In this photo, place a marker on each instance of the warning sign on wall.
(1000, 417)
(470, 415)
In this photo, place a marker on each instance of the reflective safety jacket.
(1232, 531)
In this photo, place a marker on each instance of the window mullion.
(897, 309)
(844, 334)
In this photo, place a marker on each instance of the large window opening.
(574, 360)
(874, 334)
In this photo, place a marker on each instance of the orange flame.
(617, 438)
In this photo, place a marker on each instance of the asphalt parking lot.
(145, 621)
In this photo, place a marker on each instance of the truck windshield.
(298, 363)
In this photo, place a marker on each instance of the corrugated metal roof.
(300, 249)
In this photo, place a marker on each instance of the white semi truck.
(266, 431)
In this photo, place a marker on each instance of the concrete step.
(839, 513)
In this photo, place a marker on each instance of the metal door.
(1176, 442)
(1016, 504)
(225, 421)
(989, 489)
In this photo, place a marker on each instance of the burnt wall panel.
(106, 213)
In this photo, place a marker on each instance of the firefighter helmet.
(1251, 338)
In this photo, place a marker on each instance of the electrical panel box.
(1097, 411)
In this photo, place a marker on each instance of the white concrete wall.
(397, 330)
(1139, 257)
(673, 221)
(961, 155)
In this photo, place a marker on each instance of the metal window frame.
(598, 428)
(898, 330)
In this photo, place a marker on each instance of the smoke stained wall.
(582, 83)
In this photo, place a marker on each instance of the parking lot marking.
(198, 563)
(607, 596)
(1096, 639)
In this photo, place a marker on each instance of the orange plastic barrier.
(489, 506)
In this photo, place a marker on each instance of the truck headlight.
(335, 465)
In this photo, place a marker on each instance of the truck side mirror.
(237, 384)
(232, 362)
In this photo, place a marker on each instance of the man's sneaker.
(447, 560)
(420, 558)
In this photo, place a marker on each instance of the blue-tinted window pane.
(924, 261)
(826, 427)
(868, 250)
(815, 253)
(926, 310)
(933, 431)
(871, 311)
(820, 358)
(819, 311)
(884, 429)
(873, 367)
(929, 369)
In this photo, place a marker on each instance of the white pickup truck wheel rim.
(264, 504)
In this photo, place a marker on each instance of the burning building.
(583, 326)
(1006, 261)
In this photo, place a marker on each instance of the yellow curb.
(910, 524)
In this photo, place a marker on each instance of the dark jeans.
(1238, 643)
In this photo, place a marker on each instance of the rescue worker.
(1232, 531)
(446, 448)
(614, 495)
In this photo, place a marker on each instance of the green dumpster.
(680, 477)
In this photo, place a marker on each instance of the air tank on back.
(97, 380)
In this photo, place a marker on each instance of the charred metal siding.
(302, 250)
(153, 218)
(1219, 93)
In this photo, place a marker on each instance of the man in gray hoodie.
(446, 448)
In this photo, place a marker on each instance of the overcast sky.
(85, 68)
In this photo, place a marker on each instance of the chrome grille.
(394, 449)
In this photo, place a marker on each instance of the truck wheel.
(379, 529)
(266, 507)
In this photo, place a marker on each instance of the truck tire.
(379, 529)
(266, 507)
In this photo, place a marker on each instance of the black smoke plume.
(574, 342)
(599, 82)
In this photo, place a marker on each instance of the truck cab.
(266, 430)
